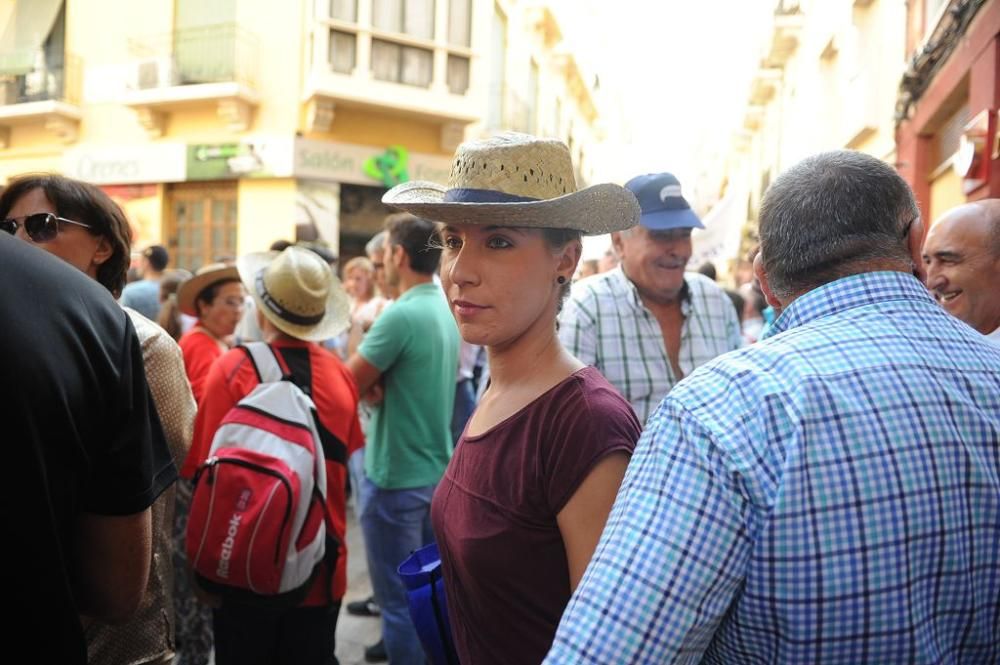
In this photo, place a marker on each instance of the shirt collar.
(414, 291)
(849, 293)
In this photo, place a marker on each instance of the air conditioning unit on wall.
(157, 72)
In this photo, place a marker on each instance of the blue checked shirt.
(828, 495)
(605, 324)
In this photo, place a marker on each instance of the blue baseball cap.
(662, 205)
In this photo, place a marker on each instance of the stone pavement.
(355, 633)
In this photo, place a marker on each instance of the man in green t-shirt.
(410, 356)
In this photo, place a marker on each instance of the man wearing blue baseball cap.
(647, 323)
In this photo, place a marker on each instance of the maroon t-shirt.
(494, 516)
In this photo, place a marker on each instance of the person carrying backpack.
(246, 409)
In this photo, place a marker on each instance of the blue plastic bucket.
(421, 574)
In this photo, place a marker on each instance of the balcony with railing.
(37, 90)
(413, 60)
(789, 21)
(193, 68)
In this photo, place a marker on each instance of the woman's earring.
(561, 279)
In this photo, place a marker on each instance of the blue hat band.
(469, 195)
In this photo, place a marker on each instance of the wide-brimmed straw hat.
(203, 278)
(517, 180)
(297, 292)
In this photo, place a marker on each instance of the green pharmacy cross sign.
(389, 168)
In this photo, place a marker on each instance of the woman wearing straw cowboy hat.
(299, 303)
(521, 507)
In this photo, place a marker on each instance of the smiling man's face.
(655, 260)
(963, 267)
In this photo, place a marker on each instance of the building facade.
(948, 102)
(222, 126)
(914, 83)
(827, 78)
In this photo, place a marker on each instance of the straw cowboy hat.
(297, 292)
(203, 278)
(517, 180)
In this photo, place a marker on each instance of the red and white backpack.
(257, 528)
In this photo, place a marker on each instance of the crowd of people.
(619, 460)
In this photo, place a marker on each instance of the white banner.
(719, 241)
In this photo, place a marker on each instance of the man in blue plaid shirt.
(830, 494)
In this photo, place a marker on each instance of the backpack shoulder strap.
(265, 361)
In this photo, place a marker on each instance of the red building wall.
(976, 62)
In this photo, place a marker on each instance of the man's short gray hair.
(376, 244)
(829, 216)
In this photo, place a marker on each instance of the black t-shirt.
(79, 434)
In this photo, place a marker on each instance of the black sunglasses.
(40, 227)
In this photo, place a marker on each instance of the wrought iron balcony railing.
(43, 81)
(220, 53)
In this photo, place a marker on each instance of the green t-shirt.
(414, 343)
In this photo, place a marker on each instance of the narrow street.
(355, 633)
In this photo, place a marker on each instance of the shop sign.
(118, 165)
(389, 168)
(251, 158)
(366, 165)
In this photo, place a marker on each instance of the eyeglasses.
(40, 226)
(232, 303)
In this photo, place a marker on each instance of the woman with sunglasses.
(79, 223)
(77, 226)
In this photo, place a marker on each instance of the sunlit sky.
(681, 70)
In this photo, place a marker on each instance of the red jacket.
(335, 394)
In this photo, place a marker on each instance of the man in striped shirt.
(830, 494)
(647, 323)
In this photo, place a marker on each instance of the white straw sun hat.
(297, 292)
(517, 180)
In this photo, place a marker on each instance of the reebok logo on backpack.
(257, 528)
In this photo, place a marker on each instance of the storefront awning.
(29, 23)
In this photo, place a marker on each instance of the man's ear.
(765, 285)
(618, 243)
(399, 256)
(915, 245)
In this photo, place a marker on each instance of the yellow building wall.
(105, 35)
(109, 50)
(266, 213)
(277, 29)
(367, 127)
(144, 208)
(946, 193)
(28, 161)
(198, 125)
